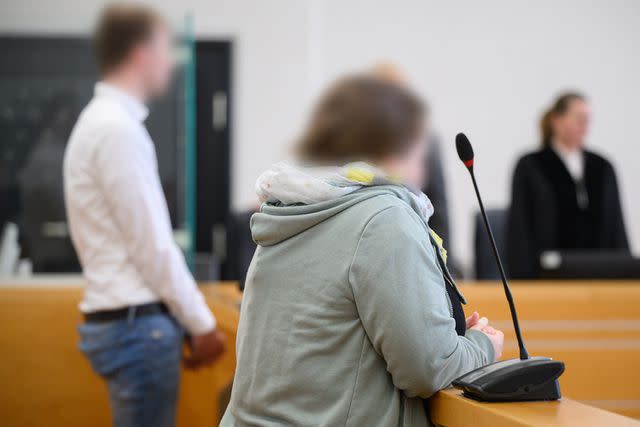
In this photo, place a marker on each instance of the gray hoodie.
(345, 318)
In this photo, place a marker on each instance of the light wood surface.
(450, 409)
(45, 381)
(594, 327)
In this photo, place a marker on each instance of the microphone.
(465, 152)
(523, 379)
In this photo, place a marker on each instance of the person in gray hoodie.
(349, 315)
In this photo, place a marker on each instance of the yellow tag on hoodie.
(441, 248)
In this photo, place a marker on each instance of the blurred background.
(250, 71)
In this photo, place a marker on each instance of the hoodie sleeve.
(401, 299)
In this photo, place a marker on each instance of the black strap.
(455, 296)
(458, 312)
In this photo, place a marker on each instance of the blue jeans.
(140, 360)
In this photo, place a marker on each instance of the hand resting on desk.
(495, 336)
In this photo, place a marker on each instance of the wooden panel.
(449, 409)
(593, 327)
(47, 382)
(202, 393)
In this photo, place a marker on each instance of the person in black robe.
(563, 196)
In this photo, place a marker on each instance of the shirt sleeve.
(401, 299)
(127, 172)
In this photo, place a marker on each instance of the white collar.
(573, 160)
(132, 105)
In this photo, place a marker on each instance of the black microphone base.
(513, 380)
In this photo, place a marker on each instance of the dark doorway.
(213, 136)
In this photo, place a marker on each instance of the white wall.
(487, 68)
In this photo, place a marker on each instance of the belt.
(130, 312)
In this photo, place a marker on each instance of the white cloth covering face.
(291, 184)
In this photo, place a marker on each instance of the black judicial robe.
(549, 210)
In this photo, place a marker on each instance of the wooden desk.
(594, 327)
(450, 409)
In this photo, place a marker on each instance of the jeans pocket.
(162, 338)
(160, 332)
(102, 343)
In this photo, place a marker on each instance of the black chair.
(485, 263)
(240, 247)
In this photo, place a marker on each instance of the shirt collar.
(133, 106)
(573, 159)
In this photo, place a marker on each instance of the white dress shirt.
(118, 215)
(573, 160)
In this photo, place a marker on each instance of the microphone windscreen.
(465, 151)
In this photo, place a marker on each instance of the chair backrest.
(240, 247)
(9, 249)
(485, 263)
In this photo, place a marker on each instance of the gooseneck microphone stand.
(507, 291)
(526, 378)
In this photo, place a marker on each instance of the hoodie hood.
(277, 222)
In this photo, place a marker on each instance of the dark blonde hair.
(121, 27)
(559, 108)
(362, 118)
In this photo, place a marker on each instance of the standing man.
(140, 294)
